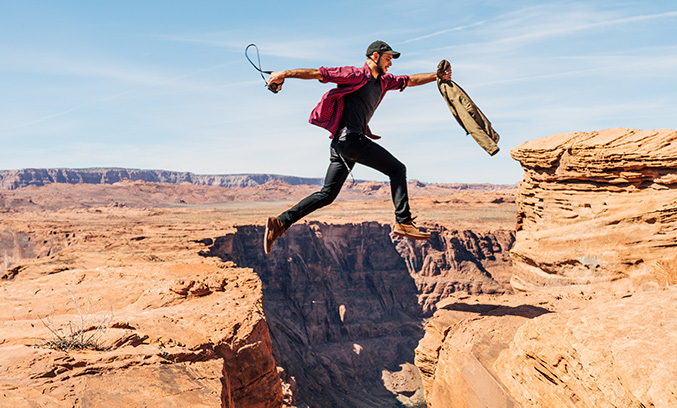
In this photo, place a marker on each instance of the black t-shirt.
(360, 105)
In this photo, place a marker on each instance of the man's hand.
(277, 77)
(444, 71)
(275, 81)
(446, 75)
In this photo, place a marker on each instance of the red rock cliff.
(596, 206)
(594, 324)
(179, 330)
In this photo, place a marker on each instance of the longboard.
(468, 115)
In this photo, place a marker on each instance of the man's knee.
(398, 170)
(326, 196)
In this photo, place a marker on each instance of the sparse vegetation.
(83, 334)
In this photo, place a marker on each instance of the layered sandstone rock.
(584, 348)
(596, 206)
(596, 228)
(461, 344)
(457, 261)
(175, 329)
(611, 353)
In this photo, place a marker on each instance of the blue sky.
(165, 84)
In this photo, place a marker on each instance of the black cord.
(274, 88)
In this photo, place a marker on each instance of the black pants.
(354, 148)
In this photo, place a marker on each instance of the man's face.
(383, 62)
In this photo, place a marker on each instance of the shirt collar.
(367, 71)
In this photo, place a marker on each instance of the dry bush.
(78, 335)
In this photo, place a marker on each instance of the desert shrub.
(82, 334)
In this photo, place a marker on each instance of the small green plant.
(78, 335)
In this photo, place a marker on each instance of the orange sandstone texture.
(594, 322)
(179, 329)
(596, 207)
(183, 328)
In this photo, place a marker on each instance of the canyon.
(345, 303)
(559, 293)
(196, 315)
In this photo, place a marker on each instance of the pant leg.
(333, 181)
(358, 148)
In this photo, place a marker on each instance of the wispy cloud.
(150, 79)
(316, 48)
(538, 24)
(446, 31)
(573, 25)
(643, 64)
(47, 62)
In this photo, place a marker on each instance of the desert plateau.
(123, 288)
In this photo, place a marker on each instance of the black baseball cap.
(382, 48)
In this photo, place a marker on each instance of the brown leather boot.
(274, 229)
(409, 230)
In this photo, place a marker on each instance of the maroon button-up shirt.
(329, 112)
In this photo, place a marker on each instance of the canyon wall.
(345, 303)
(596, 207)
(593, 323)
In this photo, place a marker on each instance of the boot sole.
(416, 237)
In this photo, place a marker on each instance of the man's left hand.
(444, 70)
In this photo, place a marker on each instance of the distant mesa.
(16, 179)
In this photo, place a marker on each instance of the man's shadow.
(526, 311)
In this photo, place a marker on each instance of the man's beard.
(379, 68)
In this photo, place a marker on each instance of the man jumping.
(345, 112)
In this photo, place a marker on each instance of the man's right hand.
(275, 81)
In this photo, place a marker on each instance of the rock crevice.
(346, 303)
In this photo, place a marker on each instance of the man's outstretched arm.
(278, 77)
(422, 79)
